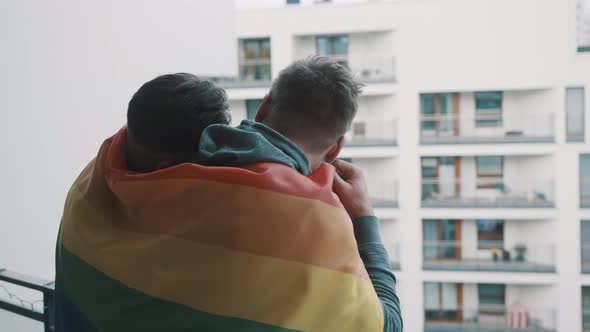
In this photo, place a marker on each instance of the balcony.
(372, 134)
(383, 193)
(493, 194)
(372, 70)
(240, 83)
(496, 257)
(486, 129)
(490, 318)
(585, 193)
(393, 250)
(585, 257)
(40, 311)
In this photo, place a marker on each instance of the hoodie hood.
(249, 143)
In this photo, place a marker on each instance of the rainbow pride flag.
(193, 248)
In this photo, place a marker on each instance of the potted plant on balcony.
(520, 252)
(495, 254)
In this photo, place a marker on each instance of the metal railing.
(240, 82)
(394, 255)
(493, 193)
(383, 193)
(14, 304)
(585, 257)
(488, 256)
(487, 128)
(492, 318)
(374, 69)
(586, 319)
(584, 193)
(371, 133)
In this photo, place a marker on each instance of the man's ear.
(263, 109)
(334, 150)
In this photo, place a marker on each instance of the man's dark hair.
(169, 113)
(314, 99)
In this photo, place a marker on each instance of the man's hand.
(351, 187)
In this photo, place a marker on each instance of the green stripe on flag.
(112, 306)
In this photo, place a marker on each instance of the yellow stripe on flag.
(221, 281)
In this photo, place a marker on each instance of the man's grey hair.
(314, 100)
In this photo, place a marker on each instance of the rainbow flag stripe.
(211, 249)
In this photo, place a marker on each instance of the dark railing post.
(48, 311)
(43, 286)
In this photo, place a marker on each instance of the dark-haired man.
(165, 119)
(301, 125)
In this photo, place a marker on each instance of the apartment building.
(472, 131)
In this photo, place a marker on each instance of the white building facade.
(473, 133)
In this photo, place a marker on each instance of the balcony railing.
(372, 69)
(586, 319)
(490, 318)
(41, 310)
(371, 133)
(482, 129)
(239, 82)
(518, 193)
(393, 251)
(488, 256)
(585, 257)
(383, 193)
(585, 193)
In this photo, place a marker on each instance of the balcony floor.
(486, 140)
(488, 266)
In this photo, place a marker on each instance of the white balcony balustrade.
(496, 193)
(488, 256)
(490, 318)
(372, 133)
(487, 128)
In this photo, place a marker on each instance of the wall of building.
(72, 68)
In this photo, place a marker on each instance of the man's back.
(205, 248)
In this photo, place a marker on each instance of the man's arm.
(351, 188)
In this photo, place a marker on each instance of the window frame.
(489, 180)
(575, 137)
(495, 240)
(490, 309)
(491, 122)
(584, 182)
(260, 66)
(341, 58)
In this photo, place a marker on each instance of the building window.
(439, 114)
(429, 177)
(292, 2)
(583, 25)
(585, 180)
(488, 109)
(333, 46)
(586, 308)
(585, 240)
(255, 59)
(442, 301)
(492, 299)
(252, 106)
(490, 172)
(490, 234)
(442, 239)
(574, 105)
